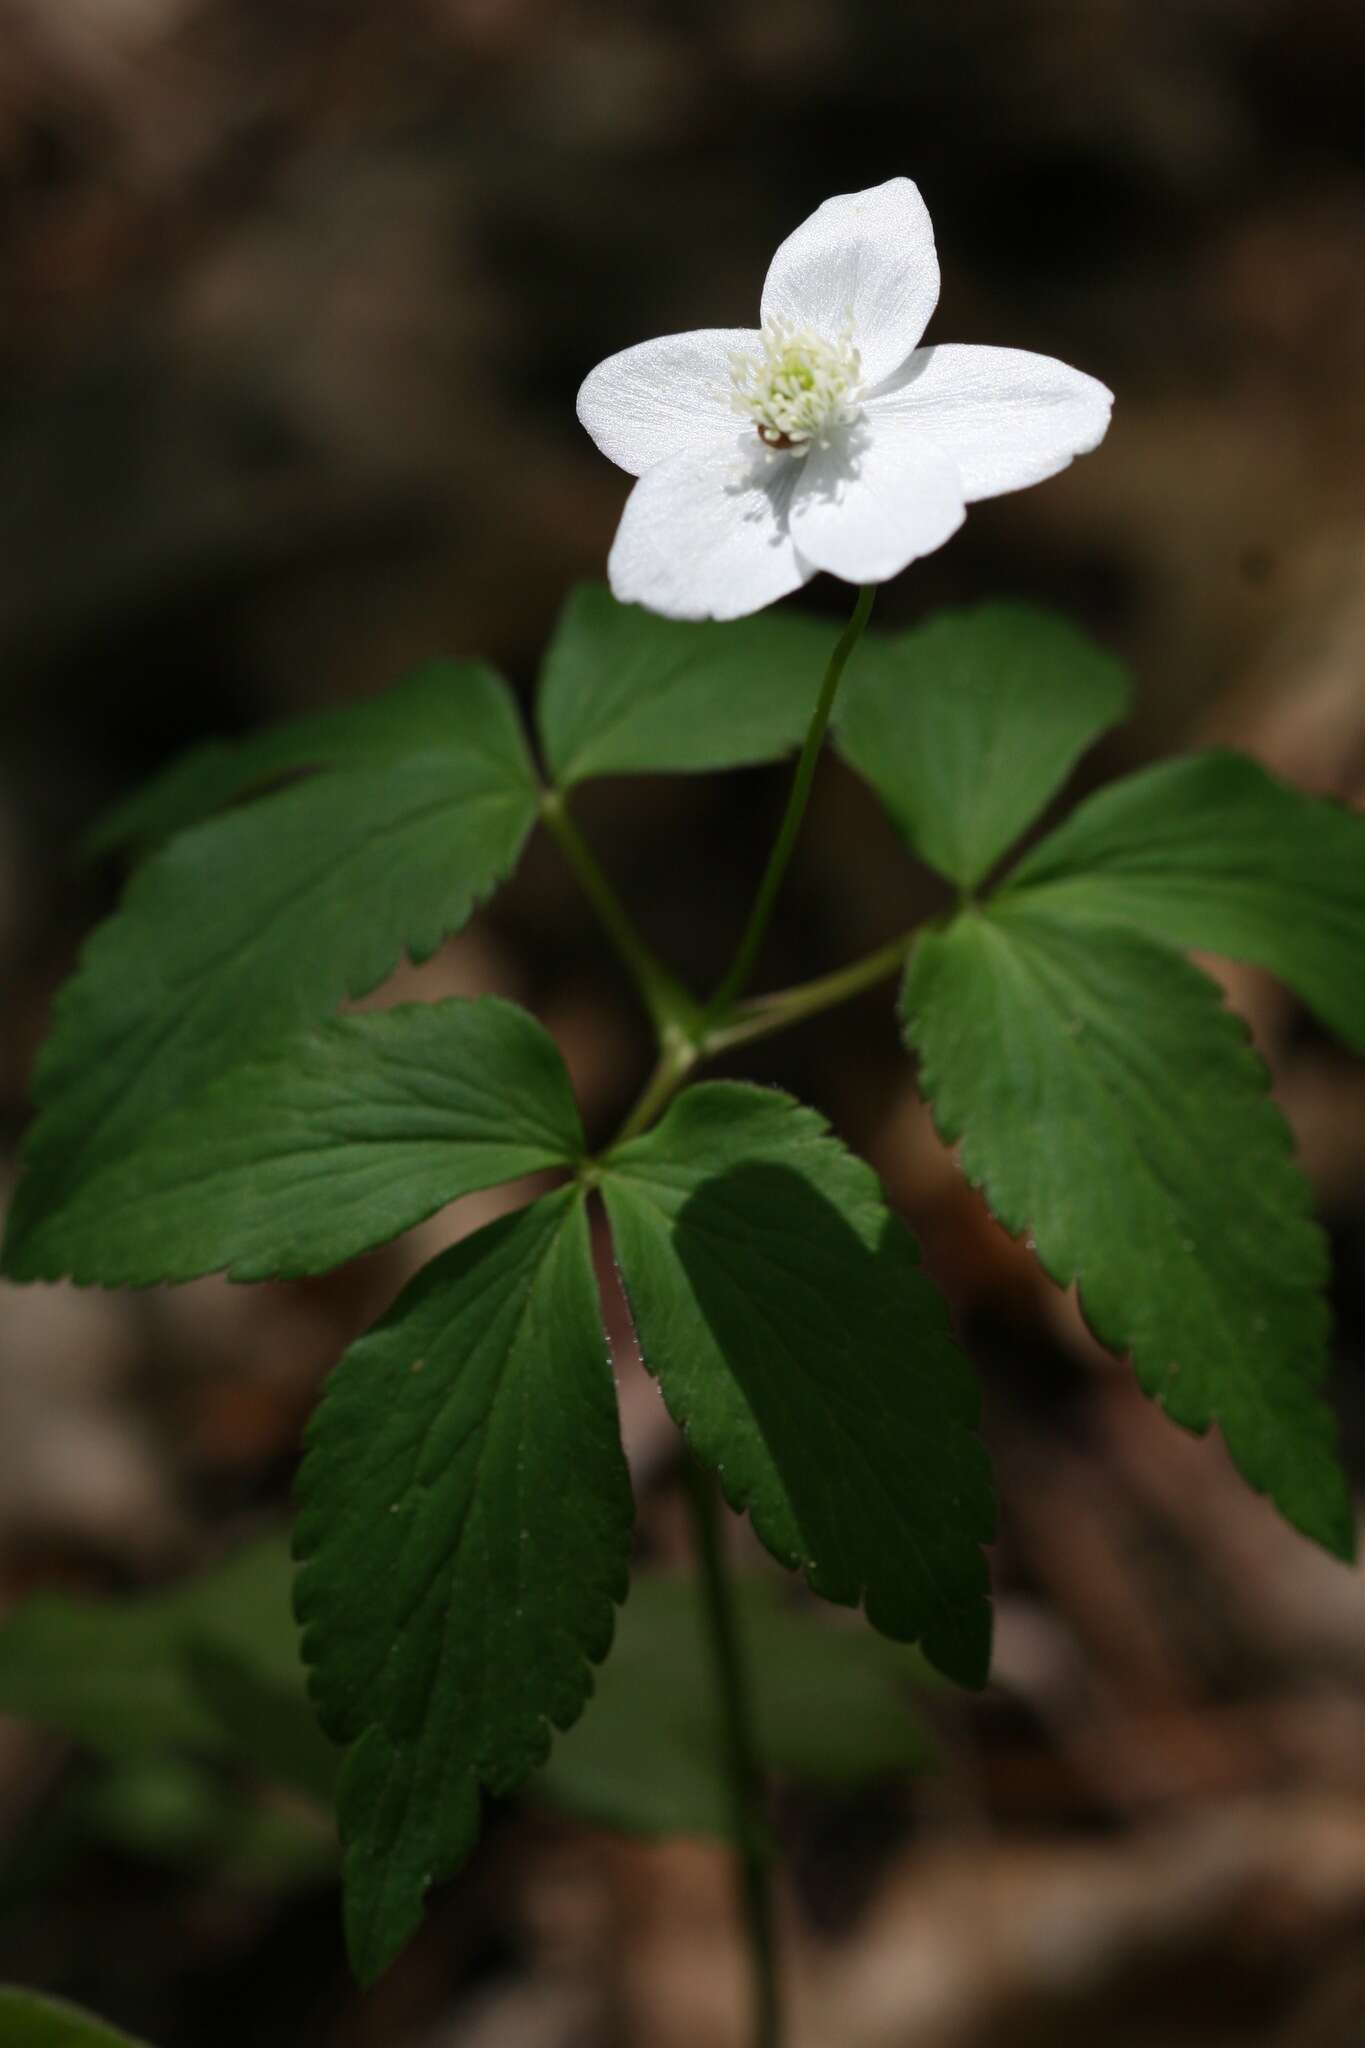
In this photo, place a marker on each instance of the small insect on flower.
(826, 438)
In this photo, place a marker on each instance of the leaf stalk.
(671, 1008)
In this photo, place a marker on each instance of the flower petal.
(865, 259)
(1006, 417)
(872, 502)
(661, 396)
(704, 535)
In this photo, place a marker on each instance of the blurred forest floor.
(294, 300)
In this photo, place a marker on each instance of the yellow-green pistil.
(797, 387)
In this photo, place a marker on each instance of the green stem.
(759, 1018)
(742, 967)
(744, 1771)
(676, 1060)
(763, 1015)
(670, 1007)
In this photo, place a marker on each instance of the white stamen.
(799, 388)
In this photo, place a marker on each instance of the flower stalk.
(688, 1033)
(742, 967)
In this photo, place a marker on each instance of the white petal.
(704, 535)
(865, 259)
(651, 400)
(1006, 417)
(869, 504)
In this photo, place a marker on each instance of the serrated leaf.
(331, 1142)
(113, 1674)
(831, 1707)
(966, 726)
(783, 1310)
(460, 708)
(30, 2020)
(1110, 1105)
(250, 927)
(624, 691)
(464, 1529)
(1212, 851)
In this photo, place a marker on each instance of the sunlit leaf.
(333, 1140)
(966, 726)
(1212, 851)
(623, 690)
(249, 927)
(1111, 1106)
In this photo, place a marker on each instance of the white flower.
(858, 450)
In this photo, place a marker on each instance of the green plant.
(465, 1513)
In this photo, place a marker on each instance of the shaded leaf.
(1109, 1104)
(1211, 851)
(782, 1307)
(461, 708)
(265, 1715)
(831, 1706)
(464, 1528)
(624, 691)
(192, 1815)
(332, 1141)
(113, 1674)
(30, 2020)
(966, 726)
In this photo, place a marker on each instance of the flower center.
(798, 387)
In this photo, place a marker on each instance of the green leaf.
(265, 1715)
(253, 926)
(1212, 851)
(782, 1308)
(331, 1142)
(464, 1530)
(188, 1814)
(968, 725)
(197, 1817)
(29, 2020)
(831, 1707)
(210, 1666)
(623, 691)
(460, 708)
(1110, 1105)
(114, 1674)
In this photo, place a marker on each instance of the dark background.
(294, 301)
